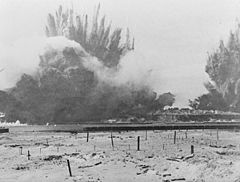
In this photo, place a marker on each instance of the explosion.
(85, 76)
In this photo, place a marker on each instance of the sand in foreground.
(215, 158)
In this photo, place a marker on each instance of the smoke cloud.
(129, 71)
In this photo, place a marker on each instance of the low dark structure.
(128, 127)
(4, 130)
(167, 126)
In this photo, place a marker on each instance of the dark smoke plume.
(86, 75)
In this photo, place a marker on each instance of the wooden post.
(20, 150)
(112, 140)
(138, 143)
(217, 135)
(192, 149)
(40, 150)
(146, 135)
(57, 149)
(87, 135)
(186, 134)
(69, 168)
(28, 155)
(174, 139)
(47, 141)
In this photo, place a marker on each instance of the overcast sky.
(172, 36)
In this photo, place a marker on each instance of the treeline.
(223, 68)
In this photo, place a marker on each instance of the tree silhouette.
(223, 68)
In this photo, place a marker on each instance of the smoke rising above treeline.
(84, 73)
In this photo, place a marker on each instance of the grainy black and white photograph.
(119, 91)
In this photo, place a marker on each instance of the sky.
(173, 37)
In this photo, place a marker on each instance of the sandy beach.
(159, 159)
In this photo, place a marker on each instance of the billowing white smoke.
(60, 43)
(7, 124)
(129, 70)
